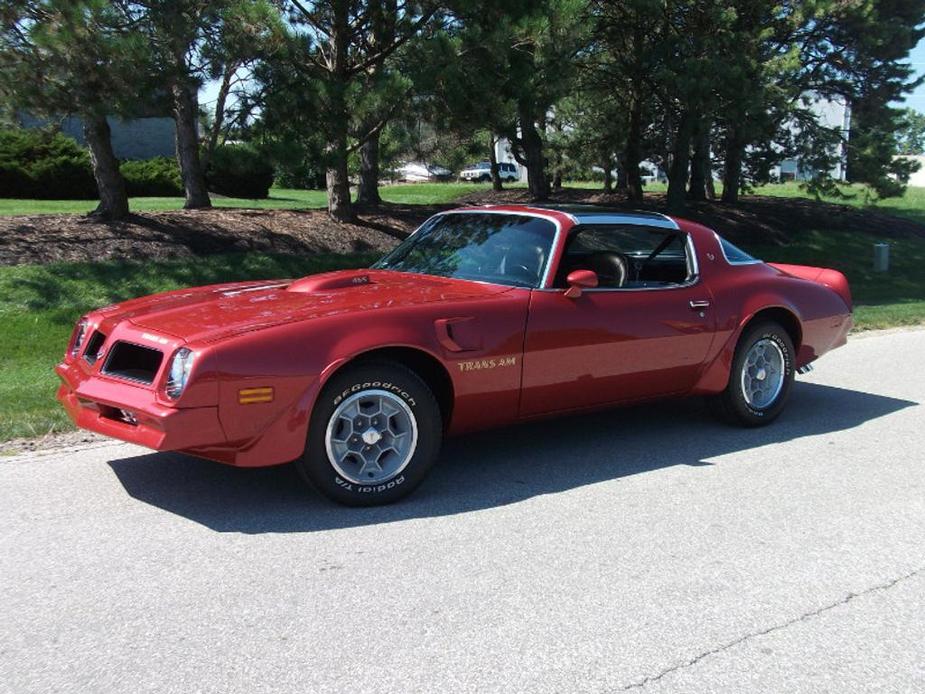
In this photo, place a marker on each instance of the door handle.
(699, 304)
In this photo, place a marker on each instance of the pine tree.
(76, 57)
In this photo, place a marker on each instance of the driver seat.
(611, 268)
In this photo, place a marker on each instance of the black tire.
(731, 405)
(316, 467)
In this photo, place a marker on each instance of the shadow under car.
(495, 468)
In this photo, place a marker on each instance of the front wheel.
(760, 378)
(374, 434)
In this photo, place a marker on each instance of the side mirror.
(578, 280)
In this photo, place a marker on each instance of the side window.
(627, 256)
(734, 254)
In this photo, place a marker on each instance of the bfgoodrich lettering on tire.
(375, 432)
(760, 378)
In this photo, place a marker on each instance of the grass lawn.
(39, 305)
(280, 199)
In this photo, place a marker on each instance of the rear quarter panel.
(742, 291)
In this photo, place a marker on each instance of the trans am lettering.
(482, 364)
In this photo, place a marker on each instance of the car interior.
(627, 256)
(523, 264)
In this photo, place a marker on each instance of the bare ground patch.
(162, 235)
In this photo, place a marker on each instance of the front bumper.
(132, 413)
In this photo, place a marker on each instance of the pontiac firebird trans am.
(483, 317)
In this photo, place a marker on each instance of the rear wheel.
(760, 378)
(374, 434)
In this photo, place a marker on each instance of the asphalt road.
(644, 549)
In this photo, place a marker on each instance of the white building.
(832, 113)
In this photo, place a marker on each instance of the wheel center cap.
(761, 375)
(371, 436)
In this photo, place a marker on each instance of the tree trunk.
(185, 113)
(218, 119)
(493, 160)
(338, 182)
(109, 181)
(680, 165)
(732, 174)
(632, 153)
(608, 174)
(700, 162)
(534, 159)
(368, 190)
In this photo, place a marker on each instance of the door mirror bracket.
(579, 280)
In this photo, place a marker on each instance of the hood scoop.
(328, 281)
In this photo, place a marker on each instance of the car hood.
(218, 311)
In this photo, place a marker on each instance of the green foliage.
(43, 164)
(37, 163)
(910, 132)
(77, 57)
(879, 35)
(240, 171)
(292, 171)
(157, 177)
(873, 151)
(61, 57)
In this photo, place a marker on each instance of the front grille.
(133, 362)
(94, 345)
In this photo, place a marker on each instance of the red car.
(483, 317)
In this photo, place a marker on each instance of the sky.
(916, 99)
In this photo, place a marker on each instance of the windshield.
(507, 249)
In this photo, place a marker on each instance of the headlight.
(179, 372)
(77, 340)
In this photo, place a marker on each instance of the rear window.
(734, 254)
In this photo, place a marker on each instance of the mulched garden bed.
(39, 239)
